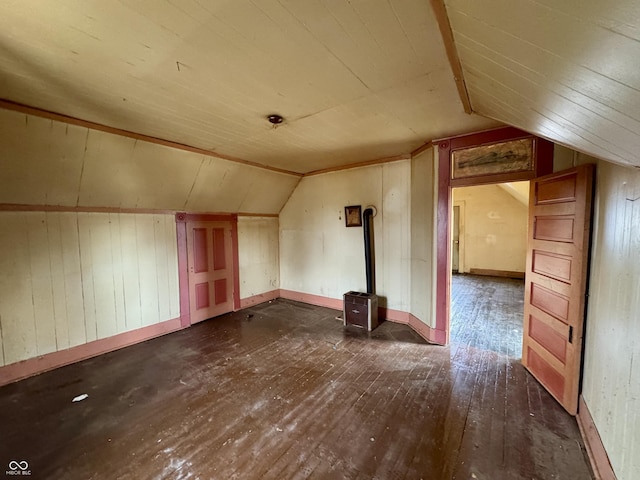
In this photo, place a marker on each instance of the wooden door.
(210, 261)
(556, 281)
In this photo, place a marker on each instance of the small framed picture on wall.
(353, 216)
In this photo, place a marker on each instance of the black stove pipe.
(367, 218)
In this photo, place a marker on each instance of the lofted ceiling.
(356, 80)
(565, 70)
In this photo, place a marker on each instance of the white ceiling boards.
(354, 80)
(567, 71)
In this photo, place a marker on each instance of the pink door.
(210, 261)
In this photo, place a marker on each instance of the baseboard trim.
(33, 366)
(496, 273)
(311, 299)
(429, 334)
(598, 457)
(260, 298)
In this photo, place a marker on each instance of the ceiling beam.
(440, 11)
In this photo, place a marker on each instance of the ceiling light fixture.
(275, 119)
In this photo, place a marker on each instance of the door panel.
(200, 250)
(552, 265)
(210, 265)
(556, 280)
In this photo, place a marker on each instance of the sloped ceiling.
(356, 80)
(566, 70)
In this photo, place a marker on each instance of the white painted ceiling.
(567, 70)
(356, 80)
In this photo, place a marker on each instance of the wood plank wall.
(611, 387)
(69, 278)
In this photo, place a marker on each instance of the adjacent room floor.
(282, 390)
(487, 312)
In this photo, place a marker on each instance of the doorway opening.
(488, 259)
(449, 176)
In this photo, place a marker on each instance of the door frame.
(543, 165)
(461, 228)
(183, 268)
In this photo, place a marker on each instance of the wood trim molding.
(265, 215)
(236, 263)
(18, 207)
(598, 457)
(33, 366)
(368, 163)
(38, 112)
(317, 300)
(14, 207)
(440, 11)
(496, 273)
(183, 270)
(421, 149)
(431, 335)
(183, 217)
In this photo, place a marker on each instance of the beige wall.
(70, 278)
(611, 387)
(493, 229)
(320, 256)
(259, 256)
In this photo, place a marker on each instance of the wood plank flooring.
(487, 312)
(283, 391)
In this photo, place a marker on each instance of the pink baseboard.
(260, 298)
(598, 457)
(431, 335)
(33, 366)
(317, 300)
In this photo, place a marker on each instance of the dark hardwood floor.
(281, 391)
(487, 312)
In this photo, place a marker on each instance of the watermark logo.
(18, 468)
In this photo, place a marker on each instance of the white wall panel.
(72, 273)
(395, 276)
(118, 280)
(611, 386)
(422, 235)
(41, 160)
(320, 256)
(259, 257)
(130, 269)
(16, 298)
(41, 283)
(70, 278)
